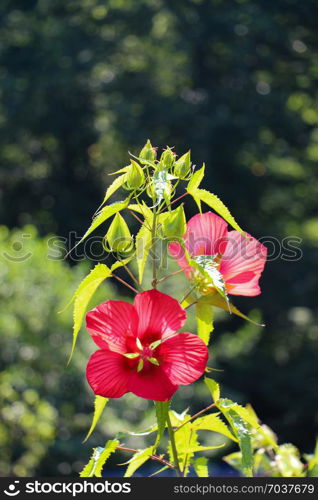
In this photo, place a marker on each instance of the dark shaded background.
(84, 81)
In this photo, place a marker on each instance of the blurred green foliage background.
(85, 80)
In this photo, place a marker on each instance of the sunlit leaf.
(89, 467)
(216, 204)
(213, 423)
(105, 214)
(200, 466)
(83, 295)
(204, 317)
(242, 431)
(143, 246)
(99, 405)
(98, 459)
(160, 470)
(116, 184)
(137, 460)
(186, 444)
(208, 267)
(120, 263)
(195, 180)
(142, 209)
(218, 301)
(214, 388)
(110, 447)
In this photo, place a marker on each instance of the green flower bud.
(148, 152)
(167, 158)
(135, 176)
(182, 166)
(118, 235)
(150, 190)
(174, 224)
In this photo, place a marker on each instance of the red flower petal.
(159, 314)
(177, 252)
(111, 323)
(152, 383)
(184, 357)
(206, 234)
(242, 264)
(107, 373)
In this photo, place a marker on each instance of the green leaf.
(173, 223)
(213, 423)
(250, 418)
(99, 405)
(200, 466)
(116, 184)
(137, 460)
(143, 246)
(218, 301)
(214, 388)
(142, 209)
(110, 447)
(216, 204)
(89, 467)
(160, 470)
(98, 459)
(208, 266)
(195, 180)
(120, 263)
(186, 441)
(242, 431)
(103, 215)
(162, 409)
(204, 317)
(83, 295)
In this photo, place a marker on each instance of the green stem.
(153, 249)
(173, 447)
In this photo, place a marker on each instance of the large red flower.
(139, 349)
(239, 260)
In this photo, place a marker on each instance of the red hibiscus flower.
(139, 349)
(220, 258)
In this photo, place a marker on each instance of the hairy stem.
(196, 416)
(125, 283)
(169, 276)
(131, 274)
(153, 457)
(179, 198)
(135, 216)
